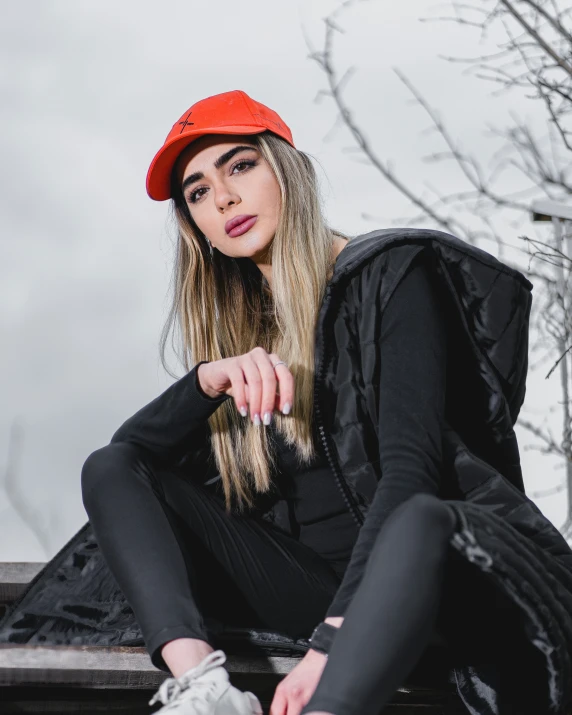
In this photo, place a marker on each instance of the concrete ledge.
(98, 666)
(93, 679)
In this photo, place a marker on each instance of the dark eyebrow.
(227, 156)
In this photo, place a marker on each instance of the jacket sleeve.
(412, 358)
(174, 422)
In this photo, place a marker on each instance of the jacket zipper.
(340, 481)
(465, 540)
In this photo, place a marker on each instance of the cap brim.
(159, 174)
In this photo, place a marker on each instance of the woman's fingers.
(254, 383)
(254, 380)
(263, 382)
(266, 399)
(285, 384)
(278, 705)
(236, 377)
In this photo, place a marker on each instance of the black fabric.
(318, 516)
(181, 560)
(186, 408)
(501, 534)
(414, 584)
(412, 353)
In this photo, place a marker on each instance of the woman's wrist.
(323, 636)
(203, 383)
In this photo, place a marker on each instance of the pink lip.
(240, 224)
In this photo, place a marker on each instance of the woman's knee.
(424, 520)
(430, 511)
(105, 466)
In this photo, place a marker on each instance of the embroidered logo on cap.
(186, 123)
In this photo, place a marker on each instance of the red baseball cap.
(227, 113)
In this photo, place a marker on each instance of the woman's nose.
(226, 198)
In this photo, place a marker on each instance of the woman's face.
(226, 177)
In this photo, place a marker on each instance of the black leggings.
(179, 558)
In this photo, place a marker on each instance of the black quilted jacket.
(75, 600)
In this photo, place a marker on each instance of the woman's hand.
(296, 689)
(251, 379)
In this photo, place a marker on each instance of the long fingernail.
(286, 409)
(267, 418)
(257, 420)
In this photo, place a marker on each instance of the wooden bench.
(93, 679)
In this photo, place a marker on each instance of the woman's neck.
(339, 245)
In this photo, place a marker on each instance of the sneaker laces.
(170, 689)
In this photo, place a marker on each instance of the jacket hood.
(493, 301)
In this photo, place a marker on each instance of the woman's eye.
(244, 162)
(193, 196)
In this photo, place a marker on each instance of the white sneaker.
(205, 690)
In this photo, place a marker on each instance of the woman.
(292, 534)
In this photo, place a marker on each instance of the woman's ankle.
(182, 654)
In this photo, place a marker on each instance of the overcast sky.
(89, 91)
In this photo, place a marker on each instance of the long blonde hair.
(223, 308)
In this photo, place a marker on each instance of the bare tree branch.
(539, 41)
(551, 445)
(556, 24)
